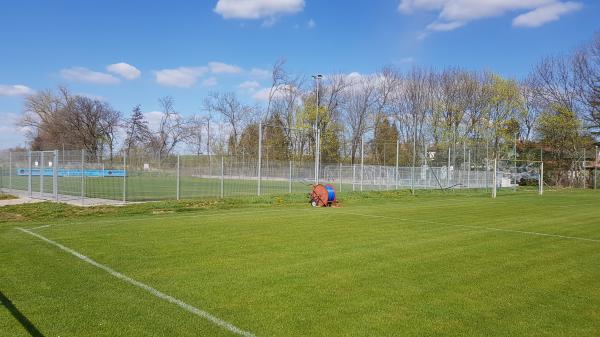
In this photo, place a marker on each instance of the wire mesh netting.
(278, 168)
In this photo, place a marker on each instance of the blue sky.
(186, 49)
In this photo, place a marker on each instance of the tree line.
(555, 107)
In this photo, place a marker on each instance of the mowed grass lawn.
(429, 265)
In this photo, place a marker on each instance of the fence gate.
(42, 174)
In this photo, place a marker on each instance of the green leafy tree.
(505, 105)
(249, 140)
(330, 131)
(559, 130)
(384, 141)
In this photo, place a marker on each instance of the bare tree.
(170, 131)
(413, 106)
(553, 82)
(587, 73)
(528, 118)
(233, 112)
(278, 81)
(194, 132)
(360, 103)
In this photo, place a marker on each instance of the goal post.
(518, 175)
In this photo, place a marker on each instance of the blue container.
(330, 193)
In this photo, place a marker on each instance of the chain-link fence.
(90, 179)
(279, 168)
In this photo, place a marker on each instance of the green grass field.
(384, 264)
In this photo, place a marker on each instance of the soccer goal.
(515, 174)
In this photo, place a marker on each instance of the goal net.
(518, 175)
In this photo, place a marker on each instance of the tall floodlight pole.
(317, 78)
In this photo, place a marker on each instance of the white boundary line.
(474, 227)
(201, 313)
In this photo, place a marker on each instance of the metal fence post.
(362, 161)
(397, 162)
(178, 182)
(448, 170)
(82, 177)
(259, 176)
(494, 179)
(29, 175)
(387, 179)
(340, 176)
(10, 170)
(353, 177)
(487, 163)
(412, 175)
(55, 175)
(469, 170)
(222, 177)
(584, 170)
(465, 162)
(290, 180)
(125, 173)
(42, 171)
(596, 167)
(542, 178)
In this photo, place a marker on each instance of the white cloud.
(124, 70)
(11, 134)
(183, 77)
(210, 82)
(154, 118)
(249, 85)
(263, 94)
(259, 73)
(257, 9)
(311, 24)
(81, 74)
(354, 76)
(223, 68)
(14, 90)
(91, 96)
(445, 26)
(453, 14)
(542, 15)
(269, 22)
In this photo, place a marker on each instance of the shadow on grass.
(26, 323)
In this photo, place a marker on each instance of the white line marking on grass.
(475, 227)
(201, 313)
(578, 205)
(43, 226)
